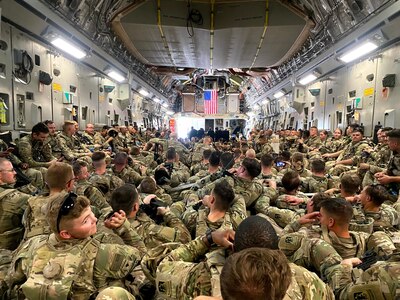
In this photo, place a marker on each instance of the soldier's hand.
(116, 220)
(24, 166)
(148, 198)
(379, 174)
(143, 170)
(331, 191)
(4, 154)
(161, 211)
(364, 166)
(385, 179)
(351, 261)
(224, 238)
(309, 218)
(326, 155)
(292, 200)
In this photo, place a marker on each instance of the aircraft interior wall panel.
(364, 90)
(389, 99)
(88, 96)
(32, 101)
(316, 104)
(339, 92)
(333, 109)
(7, 118)
(65, 91)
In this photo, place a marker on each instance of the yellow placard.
(368, 92)
(321, 103)
(101, 98)
(339, 106)
(57, 87)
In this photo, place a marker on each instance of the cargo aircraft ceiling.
(211, 34)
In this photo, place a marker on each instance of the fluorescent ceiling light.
(170, 112)
(156, 100)
(358, 52)
(68, 48)
(279, 94)
(165, 104)
(307, 79)
(143, 92)
(116, 76)
(181, 69)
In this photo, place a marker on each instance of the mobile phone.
(280, 164)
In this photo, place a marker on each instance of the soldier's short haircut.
(255, 231)
(350, 183)
(58, 175)
(317, 200)
(394, 134)
(315, 127)
(291, 181)
(48, 122)
(386, 129)
(227, 161)
(67, 124)
(252, 166)
(224, 195)
(105, 127)
(256, 274)
(207, 153)
(120, 158)
(40, 128)
(215, 158)
(318, 165)
(77, 167)
(267, 160)
(171, 153)
(377, 193)
(135, 150)
(251, 153)
(148, 185)
(297, 156)
(98, 156)
(285, 155)
(339, 209)
(53, 211)
(148, 146)
(124, 197)
(358, 129)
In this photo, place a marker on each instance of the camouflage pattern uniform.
(154, 235)
(179, 275)
(145, 158)
(199, 175)
(293, 244)
(106, 183)
(195, 168)
(180, 173)
(160, 193)
(13, 204)
(97, 199)
(316, 184)
(52, 141)
(56, 268)
(35, 220)
(68, 147)
(128, 175)
(125, 138)
(351, 151)
(281, 203)
(114, 293)
(100, 140)
(35, 153)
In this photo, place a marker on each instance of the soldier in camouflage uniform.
(178, 171)
(203, 164)
(199, 149)
(268, 172)
(69, 261)
(142, 158)
(318, 181)
(125, 136)
(67, 143)
(13, 205)
(88, 137)
(182, 151)
(124, 172)
(59, 177)
(313, 142)
(101, 138)
(52, 139)
(334, 144)
(212, 167)
(351, 155)
(191, 270)
(126, 198)
(298, 163)
(84, 188)
(291, 198)
(102, 178)
(335, 216)
(149, 186)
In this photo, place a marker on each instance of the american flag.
(210, 102)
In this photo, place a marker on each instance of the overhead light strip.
(160, 28)
(263, 34)
(358, 52)
(212, 35)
